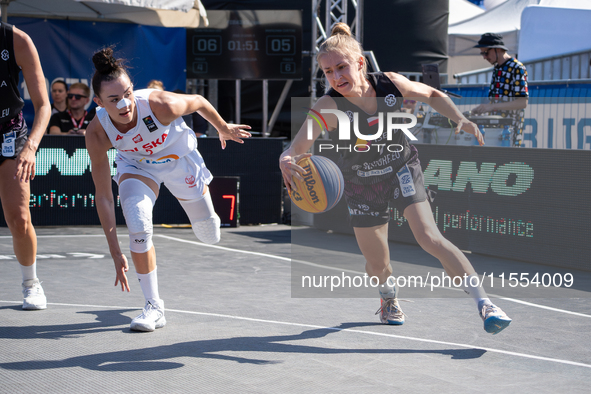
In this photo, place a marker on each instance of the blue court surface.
(239, 321)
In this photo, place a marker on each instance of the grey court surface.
(239, 321)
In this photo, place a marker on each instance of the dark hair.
(107, 68)
(60, 81)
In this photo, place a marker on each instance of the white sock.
(149, 285)
(387, 291)
(29, 272)
(473, 288)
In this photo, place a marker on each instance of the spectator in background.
(508, 91)
(59, 95)
(155, 84)
(76, 118)
(409, 106)
(17, 162)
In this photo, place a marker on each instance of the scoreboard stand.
(248, 45)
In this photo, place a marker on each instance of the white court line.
(356, 331)
(272, 256)
(357, 272)
(223, 247)
(309, 264)
(541, 306)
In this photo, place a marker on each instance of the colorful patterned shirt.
(509, 80)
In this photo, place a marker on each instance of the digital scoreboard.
(225, 198)
(249, 45)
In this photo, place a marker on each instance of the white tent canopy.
(504, 19)
(167, 13)
(542, 37)
(460, 10)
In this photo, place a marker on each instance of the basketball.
(322, 187)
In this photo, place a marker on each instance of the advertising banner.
(66, 47)
(513, 203)
(244, 191)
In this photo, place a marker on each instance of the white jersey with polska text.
(149, 142)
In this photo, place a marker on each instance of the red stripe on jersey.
(373, 120)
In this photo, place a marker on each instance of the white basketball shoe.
(152, 317)
(34, 297)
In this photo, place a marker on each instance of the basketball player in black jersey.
(375, 178)
(17, 162)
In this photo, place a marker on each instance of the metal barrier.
(558, 114)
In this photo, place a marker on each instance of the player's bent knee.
(205, 222)
(137, 202)
(208, 230)
(19, 225)
(140, 242)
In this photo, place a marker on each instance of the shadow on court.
(236, 326)
(153, 358)
(108, 320)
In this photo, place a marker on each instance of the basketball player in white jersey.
(154, 146)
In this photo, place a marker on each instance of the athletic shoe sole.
(33, 307)
(494, 325)
(146, 327)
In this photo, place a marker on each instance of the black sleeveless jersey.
(11, 102)
(368, 162)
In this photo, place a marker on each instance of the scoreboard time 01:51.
(260, 47)
(275, 46)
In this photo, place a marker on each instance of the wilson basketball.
(322, 187)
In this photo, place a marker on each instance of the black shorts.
(16, 129)
(369, 205)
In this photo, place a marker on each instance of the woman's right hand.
(121, 267)
(290, 169)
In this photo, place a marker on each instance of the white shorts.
(185, 178)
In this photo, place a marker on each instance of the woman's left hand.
(290, 169)
(233, 132)
(470, 127)
(25, 163)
